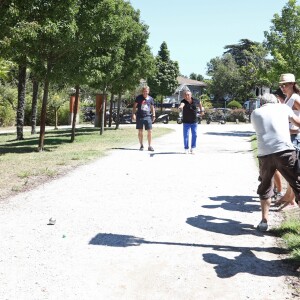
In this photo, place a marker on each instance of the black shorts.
(142, 122)
(284, 162)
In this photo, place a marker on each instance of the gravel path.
(147, 225)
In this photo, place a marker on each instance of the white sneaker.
(262, 226)
(186, 151)
(192, 151)
(279, 196)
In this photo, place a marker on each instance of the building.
(187, 84)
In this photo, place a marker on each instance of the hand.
(133, 117)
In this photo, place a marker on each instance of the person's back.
(271, 123)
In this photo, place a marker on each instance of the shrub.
(234, 104)
(237, 114)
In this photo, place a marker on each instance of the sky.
(198, 30)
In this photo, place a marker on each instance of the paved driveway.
(146, 225)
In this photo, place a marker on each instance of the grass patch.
(23, 167)
(289, 231)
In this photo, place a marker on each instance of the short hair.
(268, 98)
(145, 87)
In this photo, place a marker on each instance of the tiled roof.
(187, 81)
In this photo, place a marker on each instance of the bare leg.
(265, 206)
(288, 198)
(149, 136)
(140, 135)
(278, 181)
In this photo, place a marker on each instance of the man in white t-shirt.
(275, 150)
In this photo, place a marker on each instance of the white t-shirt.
(290, 102)
(271, 124)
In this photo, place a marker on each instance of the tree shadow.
(245, 262)
(235, 203)
(53, 139)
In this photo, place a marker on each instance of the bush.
(237, 114)
(7, 115)
(234, 104)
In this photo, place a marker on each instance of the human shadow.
(235, 203)
(232, 133)
(245, 262)
(248, 262)
(124, 148)
(223, 226)
(166, 153)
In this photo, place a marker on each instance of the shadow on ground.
(235, 203)
(245, 262)
(232, 133)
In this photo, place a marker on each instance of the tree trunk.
(103, 112)
(21, 101)
(75, 108)
(111, 109)
(44, 111)
(118, 111)
(56, 118)
(35, 92)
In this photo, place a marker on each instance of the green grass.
(23, 167)
(289, 229)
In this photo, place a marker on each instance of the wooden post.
(72, 101)
(99, 108)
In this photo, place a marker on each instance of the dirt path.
(142, 225)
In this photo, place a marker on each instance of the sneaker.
(150, 148)
(186, 151)
(192, 151)
(262, 226)
(142, 147)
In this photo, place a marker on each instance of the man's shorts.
(284, 162)
(144, 122)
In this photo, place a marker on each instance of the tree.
(195, 76)
(164, 81)
(283, 40)
(17, 35)
(242, 67)
(57, 98)
(225, 75)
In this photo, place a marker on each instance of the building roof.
(187, 81)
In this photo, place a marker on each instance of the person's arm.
(153, 112)
(180, 107)
(295, 120)
(134, 111)
(296, 105)
(202, 110)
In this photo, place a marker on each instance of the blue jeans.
(187, 127)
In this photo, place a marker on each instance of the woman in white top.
(291, 90)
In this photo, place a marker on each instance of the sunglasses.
(284, 85)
